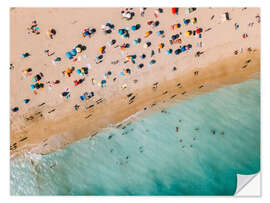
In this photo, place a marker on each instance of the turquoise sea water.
(218, 136)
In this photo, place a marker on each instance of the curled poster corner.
(248, 185)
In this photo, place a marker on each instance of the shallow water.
(218, 136)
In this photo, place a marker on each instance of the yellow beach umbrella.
(188, 33)
(194, 20)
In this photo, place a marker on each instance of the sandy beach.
(224, 51)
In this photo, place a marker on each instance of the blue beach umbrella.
(177, 51)
(174, 37)
(69, 55)
(183, 49)
(78, 71)
(186, 21)
(160, 32)
(103, 82)
(86, 33)
(133, 27)
(169, 51)
(121, 31)
(73, 52)
(26, 101)
(32, 86)
(152, 61)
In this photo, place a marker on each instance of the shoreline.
(75, 126)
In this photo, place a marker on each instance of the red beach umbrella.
(198, 31)
(173, 11)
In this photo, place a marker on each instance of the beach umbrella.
(186, 21)
(32, 86)
(37, 86)
(101, 49)
(69, 55)
(128, 70)
(177, 51)
(174, 11)
(147, 34)
(69, 70)
(82, 98)
(133, 27)
(78, 49)
(161, 45)
(64, 94)
(183, 49)
(15, 109)
(78, 71)
(76, 82)
(57, 59)
(135, 41)
(24, 55)
(103, 82)
(73, 52)
(86, 33)
(198, 31)
(188, 33)
(121, 31)
(160, 32)
(169, 51)
(189, 10)
(26, 101)
(194, 20)
(174, 37)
